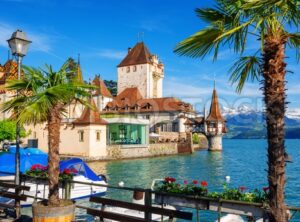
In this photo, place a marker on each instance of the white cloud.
(111, 54)
(40, 42)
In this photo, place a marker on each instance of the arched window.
(134, 68)
(128, 69)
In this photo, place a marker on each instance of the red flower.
(67, 171)
(242, 188)
(265, 189)
(195, 182)
(74, 170)
(38, 167)
(170, 179)
(204, 183)
(185, 182)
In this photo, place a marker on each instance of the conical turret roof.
(79, 74)
(101, 87)
(215, 112)
(90, 115)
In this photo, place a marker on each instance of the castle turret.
(215, 124)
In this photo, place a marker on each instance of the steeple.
(90, 115)
(79, 72)
(215, 113)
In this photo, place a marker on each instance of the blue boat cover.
(79, 166)
(32, 156)
(7, 162)
(29, 150)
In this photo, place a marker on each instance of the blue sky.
(101, 31)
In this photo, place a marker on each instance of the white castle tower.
(215, 125)
(143, 70)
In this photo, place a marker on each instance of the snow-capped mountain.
(245, 122)
(293, 114)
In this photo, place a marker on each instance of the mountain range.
(246, 123)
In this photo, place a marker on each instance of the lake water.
(243, 160)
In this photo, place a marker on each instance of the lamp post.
(19, 44)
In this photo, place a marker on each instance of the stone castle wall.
(215, 143)
(156, 149)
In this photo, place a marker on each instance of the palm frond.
(244, 69)
(294, 43)
(200, 44)
(43, 90)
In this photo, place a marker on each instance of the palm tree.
(233, 23)
(43, 96)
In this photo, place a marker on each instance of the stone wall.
(203, 142)
(215, 143)
(186, 146)
(169, 136)
(156, 149)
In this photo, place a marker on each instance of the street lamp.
(19, 44)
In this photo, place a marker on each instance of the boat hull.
(39, 190)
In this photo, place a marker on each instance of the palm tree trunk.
(274, 95)
(54, 121)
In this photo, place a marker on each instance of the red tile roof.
(9, 71)
(101, 88)
(215, 113)
(138, 55)
(131, 101)
(90, 116)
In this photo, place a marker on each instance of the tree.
(8, 130)
(196, 139)
(71, 67)
(43, 96)
(232, 23)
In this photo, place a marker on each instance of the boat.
(39, 189)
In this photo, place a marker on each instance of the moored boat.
(85, 181)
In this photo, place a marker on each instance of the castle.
(136, 114)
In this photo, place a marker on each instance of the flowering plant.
(41, 172)
(190, 188)
(199, 188)
(241, 194)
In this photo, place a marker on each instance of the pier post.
(148, 203)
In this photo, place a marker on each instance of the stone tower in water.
(215, 125)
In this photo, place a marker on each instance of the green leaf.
(245, 68)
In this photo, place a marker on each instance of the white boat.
(84, 174)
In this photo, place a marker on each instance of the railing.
(251, 210)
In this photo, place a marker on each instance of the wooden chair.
(148, 210)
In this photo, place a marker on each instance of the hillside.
(248, 124)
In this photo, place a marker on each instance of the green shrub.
(8, 130)
(196, 138)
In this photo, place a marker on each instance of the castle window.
(81, 135)
(134, 68)
(34, 135)
(98, 135)
(128, 69)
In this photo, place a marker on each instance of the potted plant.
(43, 96)
(195, 194)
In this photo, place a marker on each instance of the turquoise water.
(243, 160)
